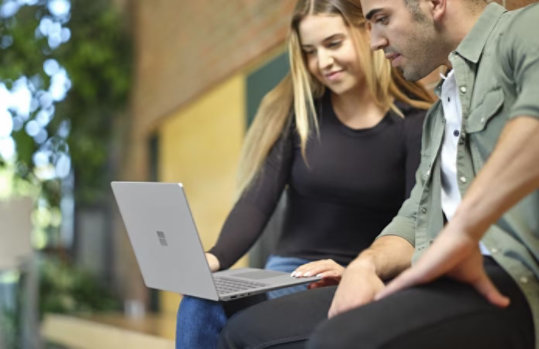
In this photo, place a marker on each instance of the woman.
(341, 135)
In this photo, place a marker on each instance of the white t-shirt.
(453, 125)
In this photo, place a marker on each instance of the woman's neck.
(357, 108)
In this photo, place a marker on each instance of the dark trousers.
(442, 314)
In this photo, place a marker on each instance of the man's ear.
(437, 8)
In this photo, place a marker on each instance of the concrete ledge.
(76, 332)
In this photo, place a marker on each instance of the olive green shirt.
(497, 72)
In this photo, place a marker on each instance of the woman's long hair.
(296, 93)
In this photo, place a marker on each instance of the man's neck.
(461, 17)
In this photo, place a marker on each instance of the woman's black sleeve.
(246, 222)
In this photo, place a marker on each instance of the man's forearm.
(387, 256)
(511, 173)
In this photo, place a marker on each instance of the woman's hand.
(328, 269)
(213, 262)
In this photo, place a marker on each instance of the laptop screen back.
(164, 237)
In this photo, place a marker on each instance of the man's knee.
(226, 339)
(239, 332)
(345, 331)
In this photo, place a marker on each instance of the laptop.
(168, 250)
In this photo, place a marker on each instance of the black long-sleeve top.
(352, 185)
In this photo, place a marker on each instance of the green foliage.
(8, 329)
(25, 55)
(98, 61)
(66, 289)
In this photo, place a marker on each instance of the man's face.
(408, 39)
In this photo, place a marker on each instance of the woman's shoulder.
(410, 112)
(413, 119)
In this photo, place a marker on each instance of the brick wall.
(185, 47)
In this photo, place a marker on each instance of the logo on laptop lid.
(162, 238)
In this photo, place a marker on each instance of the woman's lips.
(333, 76)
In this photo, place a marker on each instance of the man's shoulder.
(522, 20)
(529, 10)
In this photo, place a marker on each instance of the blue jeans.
(199, 321)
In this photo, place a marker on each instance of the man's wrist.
(364, 262)
(464, 222)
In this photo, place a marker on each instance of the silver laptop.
(169, 252)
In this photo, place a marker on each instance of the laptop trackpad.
(259, 274)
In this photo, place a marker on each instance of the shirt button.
(423, 210)
(523, 279)
(462, 179)
(463, 89)
(456, 133)
(449, 99)
(494, 251)
(482, 120)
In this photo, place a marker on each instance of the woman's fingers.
(323, 267)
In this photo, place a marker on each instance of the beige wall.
(199, 146)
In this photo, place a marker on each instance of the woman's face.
(329, 52)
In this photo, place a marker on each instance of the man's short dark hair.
(413, 6)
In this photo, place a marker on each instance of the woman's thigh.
(198, 323)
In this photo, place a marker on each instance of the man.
(474, 281)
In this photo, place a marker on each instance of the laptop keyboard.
(227, 285)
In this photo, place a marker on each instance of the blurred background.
(99, 90)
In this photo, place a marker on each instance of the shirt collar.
(472, 46)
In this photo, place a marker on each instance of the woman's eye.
(334, 44)
(382, 20)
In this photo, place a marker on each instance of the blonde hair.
(294, 96)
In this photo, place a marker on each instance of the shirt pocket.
(491, 104)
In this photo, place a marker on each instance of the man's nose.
(377, 40)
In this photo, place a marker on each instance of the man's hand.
(213, 262)
(362, 279)
(454, 254)
(510, 174)
(328, 269)
(358, 286)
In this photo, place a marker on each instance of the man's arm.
(362, 279)
(511, 173)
